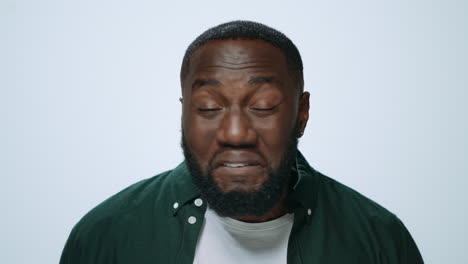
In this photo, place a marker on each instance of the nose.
(236, 129)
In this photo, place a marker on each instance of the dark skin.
(240, 105)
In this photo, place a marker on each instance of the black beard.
(238, 203)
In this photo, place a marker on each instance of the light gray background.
(89, 105)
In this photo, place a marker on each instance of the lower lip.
(245, 178)
(241, 170)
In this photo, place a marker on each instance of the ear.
(303, 113)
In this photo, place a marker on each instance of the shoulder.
(133, 209)
(343, 199)
(358, 218)
(132, 198)
(135, 196)
(350, 209)
(334, 200)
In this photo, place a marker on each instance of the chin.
(239, 180)
(237, 187)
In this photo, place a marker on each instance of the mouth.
(236, 165)
(237, 176)
(238, 170)
(237, 159)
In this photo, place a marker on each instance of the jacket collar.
(304, 192)
(183, 189)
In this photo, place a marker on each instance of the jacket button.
(198, 202)
(192, 220)
(176, 205)
(309, 211)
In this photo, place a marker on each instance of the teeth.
(235, 165)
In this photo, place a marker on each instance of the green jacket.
(148, 222)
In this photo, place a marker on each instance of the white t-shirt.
(224, 240)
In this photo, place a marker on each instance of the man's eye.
(208, 109)
(209, 112)
(263, 108)
(263, 111)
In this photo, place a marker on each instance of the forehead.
(228, 58)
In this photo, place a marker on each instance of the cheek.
(200, 135)
(274, 134)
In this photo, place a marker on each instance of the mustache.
(246, 150)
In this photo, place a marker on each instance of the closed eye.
(263, 108)
(208, 109)
(264, 111)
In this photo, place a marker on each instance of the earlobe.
(300, 133)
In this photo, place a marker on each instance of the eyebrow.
(263, 80)
(252, 81)
(203, 82)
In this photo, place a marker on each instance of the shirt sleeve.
(71, 252)
(88, 245)
(409, 251)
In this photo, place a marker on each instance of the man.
(244, 193)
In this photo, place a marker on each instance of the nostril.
(236, 131)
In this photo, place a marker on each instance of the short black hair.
(241, 29)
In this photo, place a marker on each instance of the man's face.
(241, 114)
